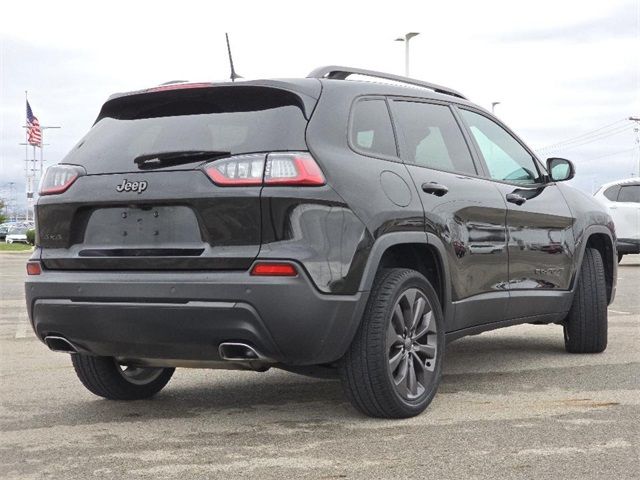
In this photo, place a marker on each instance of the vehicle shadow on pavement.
(489, 363)
(191, 394)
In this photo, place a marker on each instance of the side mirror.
(560, 169)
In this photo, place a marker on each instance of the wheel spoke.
(412, 381)
(398, 319)
(403, 370)
(409, 298)
(424, 326)
(422, 364)
(393, 338)
(428, 351)
(395, 360)
(418, 310)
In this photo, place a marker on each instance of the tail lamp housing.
(58, 178)
(278, 168)
(34, 268)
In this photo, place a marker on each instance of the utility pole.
(406, 39)
(637, 130)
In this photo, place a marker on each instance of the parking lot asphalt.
(512, 404)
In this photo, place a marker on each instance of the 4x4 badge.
(132, 186)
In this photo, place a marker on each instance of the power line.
(571, 139)
(612, 154)
(589, 139)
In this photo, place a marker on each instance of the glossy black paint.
(226, 227)
(498, 261)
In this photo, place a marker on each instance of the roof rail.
(341, 73)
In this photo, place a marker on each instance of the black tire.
(369, 370)
(585, 328)
(103, 376)
(620, 255)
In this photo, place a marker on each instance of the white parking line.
(619, 312)
(22, 329)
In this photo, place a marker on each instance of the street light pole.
(493, 107)
(406, 39)
(637, 130)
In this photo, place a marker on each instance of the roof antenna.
(234, 75)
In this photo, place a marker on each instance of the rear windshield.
(227, 119)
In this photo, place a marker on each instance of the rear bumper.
(186, 315)
(628, 245)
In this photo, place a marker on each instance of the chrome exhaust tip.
(240, 352)
(59, 344)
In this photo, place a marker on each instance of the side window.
(371, 129)
(431, 137)
(505, 158)
(612, 193)
(629, 193)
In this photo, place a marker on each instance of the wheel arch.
(600, 238)
(423, 252)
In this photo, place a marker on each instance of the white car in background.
(622, 199)
(16, 235)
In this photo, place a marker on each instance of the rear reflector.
(58, 178)
(274, 270)
(292, 169)
(33, 268)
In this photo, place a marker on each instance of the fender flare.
(582, 248)
(388, 240)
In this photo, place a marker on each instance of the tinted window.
(371, 129)
(612, 193)
(431, 137)
(505, 158)
(229, 119)
(629, 193)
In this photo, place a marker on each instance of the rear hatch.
(135, 193)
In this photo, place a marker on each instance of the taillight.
(58, 178)
(273, 269)
(240, 170)
(33, 268)
(293, 169)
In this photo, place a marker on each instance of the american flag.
(34, 132)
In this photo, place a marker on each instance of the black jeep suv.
(319, 225)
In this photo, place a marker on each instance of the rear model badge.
(132, 186)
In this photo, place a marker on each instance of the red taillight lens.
(271, 269)
(240, 170)
(292, 169)
(33, 268)
(58, 178)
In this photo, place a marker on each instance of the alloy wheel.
(412, 344)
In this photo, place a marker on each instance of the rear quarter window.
(629, 193)
(611, 193)
(371, 131)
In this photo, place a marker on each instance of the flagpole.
(33, 169)
(26, 156)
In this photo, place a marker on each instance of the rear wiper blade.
(167, 159)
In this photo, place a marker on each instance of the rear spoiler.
(307, 91)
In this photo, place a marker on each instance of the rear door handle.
(516, 198)
(434, 189)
